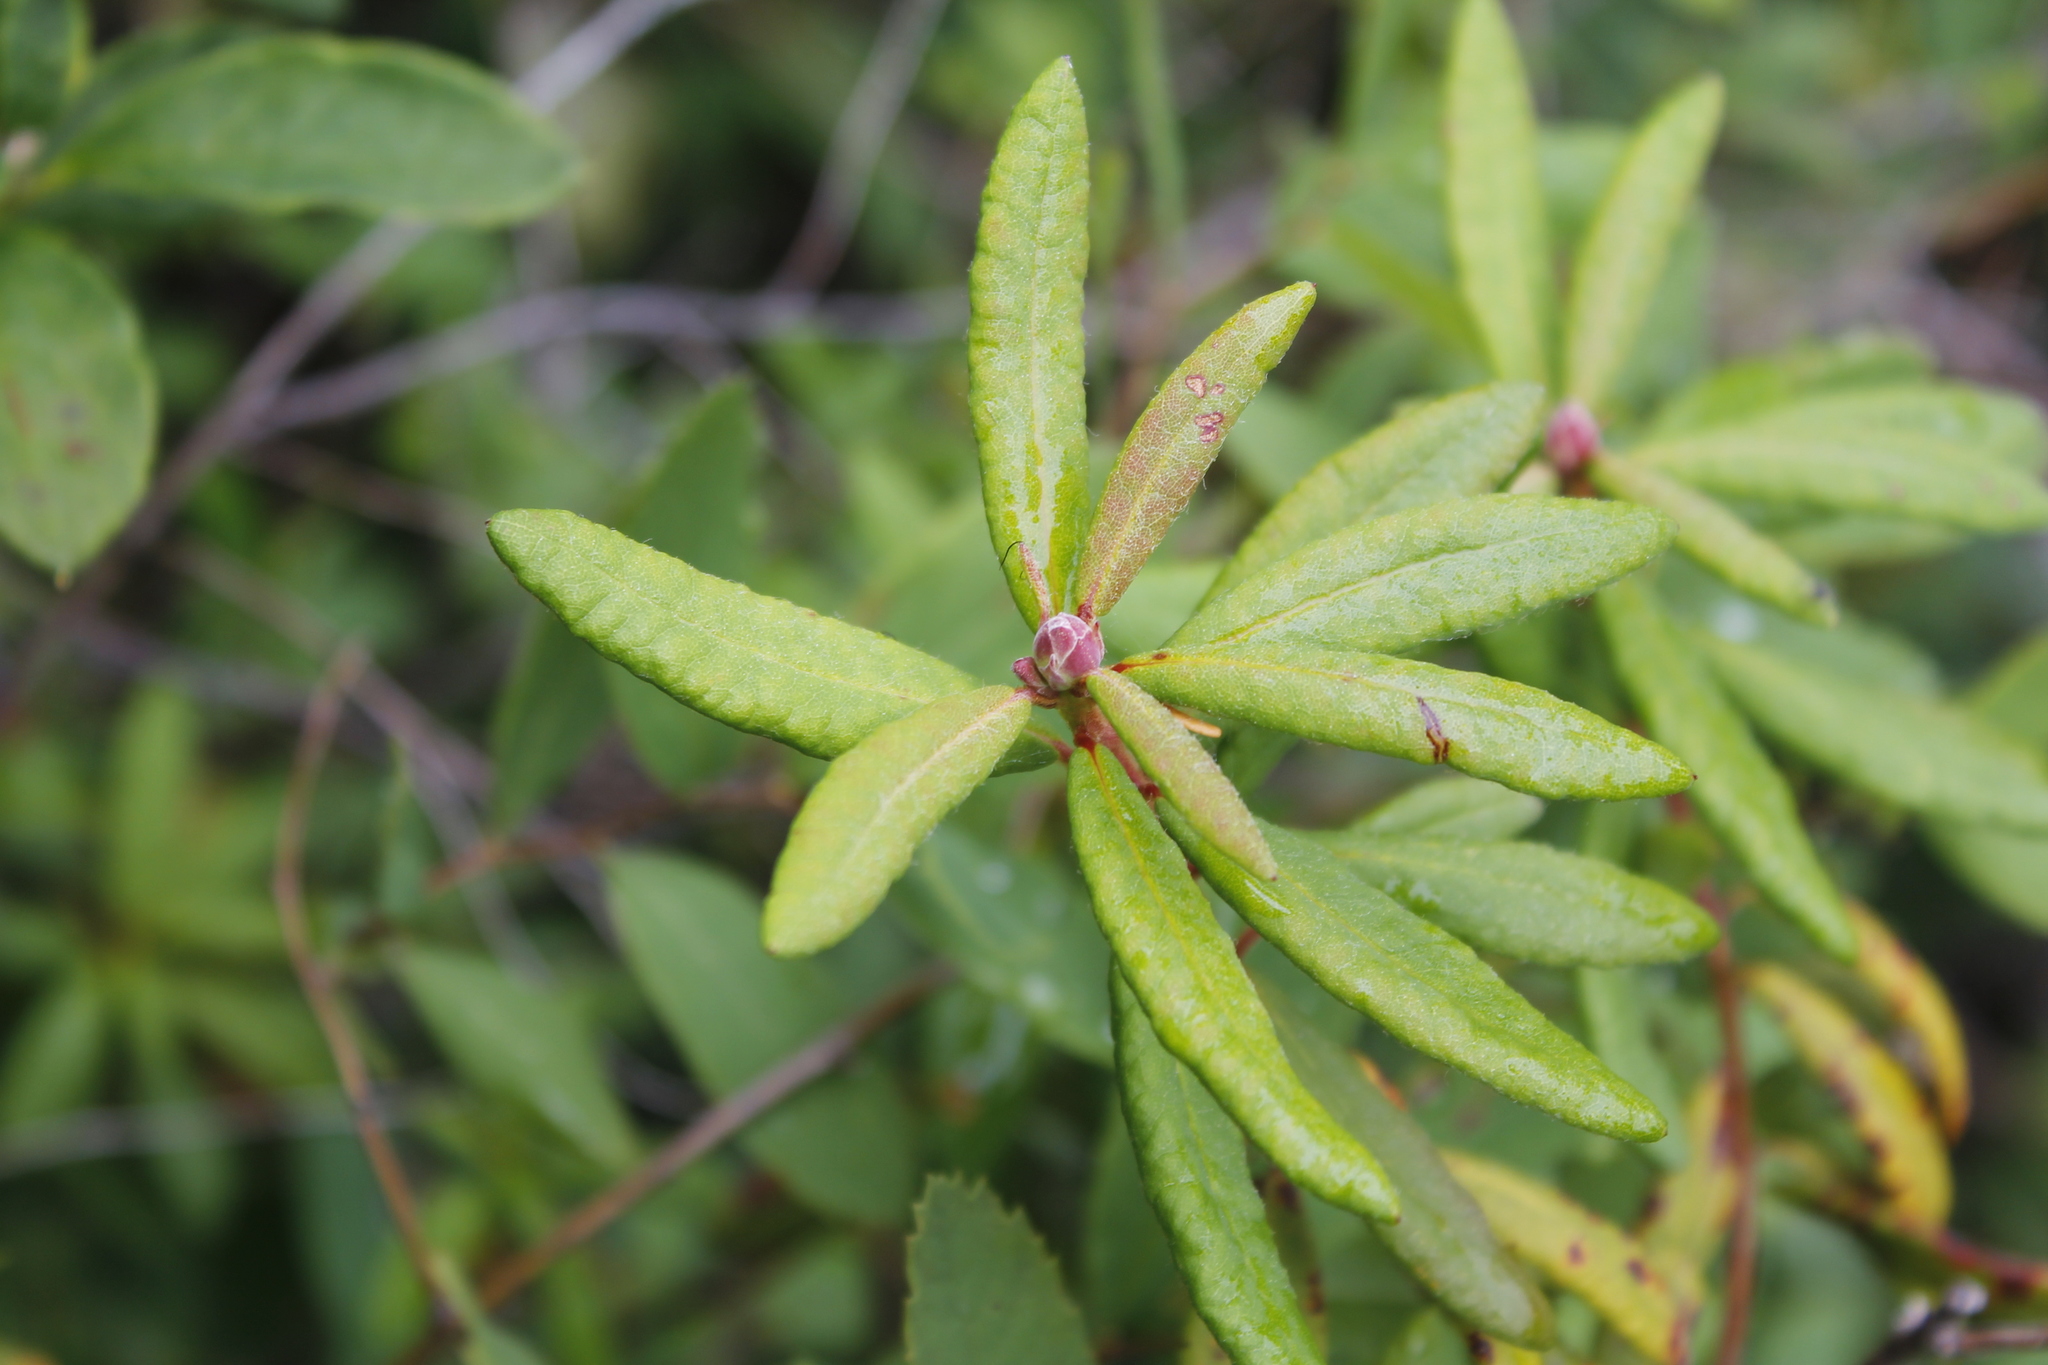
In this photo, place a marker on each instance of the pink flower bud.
(1068, 648)
(1572, 438)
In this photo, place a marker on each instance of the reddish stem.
(1738, 1134)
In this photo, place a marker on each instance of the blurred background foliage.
(177, 1179)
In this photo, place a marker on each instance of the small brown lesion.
(1478, 1346)
(1638, 1272)
(1433, 729)
(1210, 426)
(1576, 1252)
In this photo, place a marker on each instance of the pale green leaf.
(1743, 797)
(1026, 353)
(44, 48)
(1499, 234)
(1176, 439)
(1182, 966)
(1531, 901)
(78, 428)
(1413, 286)
(300, 121)
(861, 825)
(1421, 985)
(1853, 361)
(1434, 572)
(1619, 1034)
(1193, 1163)
(1451, 808)
(1454, 447)
(1621, 258)
(2002, 426)
(1488, 727)
(550, 709)
(983, 1288)
(1187, 776)
(2007, 868)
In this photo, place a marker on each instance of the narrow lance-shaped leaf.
(983, 1288)
(1610, 1002)
(1184, 969)
(1176, 439)
(1421, 985)
(1721, 542)
(861, 825)
(1505, 732)
(1500, 237)
(1623, 254)
(1454, 447)
(1430, 573)
(1915, 1002)
(1743, 797)
(1909, 1161)
(1187, 776)
(1193, 1163)
(1451, 808)
(1693, 1205)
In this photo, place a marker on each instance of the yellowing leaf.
(1930, 1037)
(1694, 1203)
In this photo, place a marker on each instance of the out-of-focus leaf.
(1742, 796)
(1416, 289)
(264, 1031)
(1175, 440)
(79, 425)
(1454, 447)
(1193, 1162)
(1280, 438)
(2003, 426)
(1610, 1002)
(1499, 233)
(1026, 352)
(1621, 258)
(1694, 1203)
(485, 1341)
(861, 825)
(518, 1040)
(1451, 808)
(551, 707)
(1580, 1251)
(1421, 985)
(55, 1051)
(44, 48)
(698, 502)
(2014, 695)
(1131, 1286)
(1909, 1161)
(1504, 732)
(1182, 966)
(1929, 1036)
(299, 121)
(1172, 757)
(1442, 1236)
(1430, 573)
(983, 1288)
(2006, 868)
(1162, 596)
(1857, 360)
(692, 937)
(679, 747)
(198, 1176)
(1720, 541)
(1531, 901)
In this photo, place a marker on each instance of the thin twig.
(592, 47)
(1738, 1132)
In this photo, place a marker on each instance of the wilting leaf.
(1421, 985)
(861, 825)
(1499, 234)
(1176, 439)
(1581, 1252)
(1742, 796)
(1451, 808)
(1610, 1003)
(1507, 733)
(44, 48)
(1025, 350)
(1622, 256)
(1442, 1236)
(1909, 1161)
(551, 707)
(1187, 776)
(299, 121)
(983, 1288)
(1430, 573)
(1531, 901)
(1930, 1037)
(78, 425)
(1182, 966)
(1193, 1162)
(1454, 447)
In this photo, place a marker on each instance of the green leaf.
(1026, 353)
(2008, 869)
(1442, 1237)
(1454, 447)
(680, 748)
(521, 1041)
(1507, 733)
(691, 935)
(1132, 1288)
(301, 121)
(1176, 439)
(2014, 695)
(1182, 966)
(1742, 795)
(1421, 985)
(1720, 541)
(1431, 573)
(1018, 930)
(1499, 234)
(78, 426)
(55, 1051)
(1451, 808)
(1854, 361)
(1622, 256)
(2003, 426)
(44, 48)
(1620, 1036)
(1193, 1162)
(983, 1288)
(551, 708)
(1187, 776)
(861, 825)
(698, 502)
(1920, 752)
(1531, 901)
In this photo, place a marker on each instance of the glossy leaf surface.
(1451, 808)
(983, 1288)
(1915, 1002)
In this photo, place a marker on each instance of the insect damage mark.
(1433, 728)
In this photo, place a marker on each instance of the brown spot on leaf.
(1638, 1272)
(1210, 425)
(77, 449)
(1197, 385)
(1433, 727)
(1576, 1253)
(1479, 1347)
